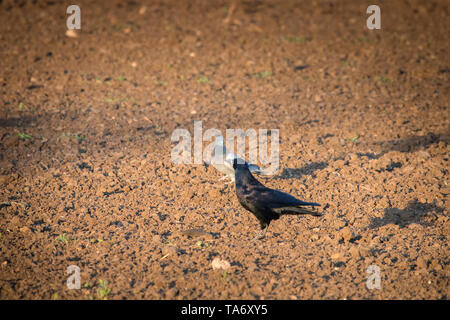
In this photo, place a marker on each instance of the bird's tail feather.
(312, 204)
(297, 210)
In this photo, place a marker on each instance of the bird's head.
(239, 163)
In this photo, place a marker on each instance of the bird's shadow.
(16, 121)
(406, 145)
(309, 169)
(154, 130)
(413, 143)
(414, 212)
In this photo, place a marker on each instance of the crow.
(265, 203)
(222, 160)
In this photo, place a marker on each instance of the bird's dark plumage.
(265, 203)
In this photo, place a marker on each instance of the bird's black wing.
(252, 197)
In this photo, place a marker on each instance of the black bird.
(265, 203)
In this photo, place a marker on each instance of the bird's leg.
(262, 233)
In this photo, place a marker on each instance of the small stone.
(336, 256)
(252, 267)
(142, 10)
(5, 179)
(168, 250)
(171, 293)
(421, 263)
(217, 263)
(354, 252)
(346, 233)
(71, 33)
(196, 232)
(314, 237)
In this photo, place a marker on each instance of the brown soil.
(87, 179)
